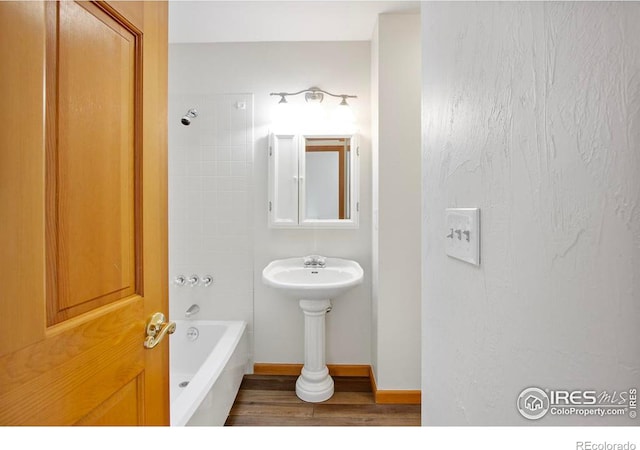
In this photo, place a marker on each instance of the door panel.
(72, 372)
(121, 409)
(85, 191)
(91, 160)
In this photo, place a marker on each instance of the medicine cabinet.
(313, 181)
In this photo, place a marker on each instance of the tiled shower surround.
(210, 206)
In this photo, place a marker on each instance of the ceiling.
(263, 21)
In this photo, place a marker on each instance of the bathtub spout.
(193, 309)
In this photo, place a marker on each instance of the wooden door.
(83, 204)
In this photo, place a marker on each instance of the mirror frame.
(279, 143)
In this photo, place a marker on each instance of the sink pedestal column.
(314, 383)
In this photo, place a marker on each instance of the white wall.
(532, 113)
(262, 68)
(396, 87)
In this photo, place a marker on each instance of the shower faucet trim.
(192, 310)
(191, 114)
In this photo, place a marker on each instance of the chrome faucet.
(314, 261)
(193, 309)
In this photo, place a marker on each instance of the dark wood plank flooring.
(271, 401)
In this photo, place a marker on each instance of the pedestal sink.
(314, 285)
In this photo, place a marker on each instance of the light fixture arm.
(314, 91)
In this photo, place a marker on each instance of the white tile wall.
(211, 207)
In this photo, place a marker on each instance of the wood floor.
(271, 400)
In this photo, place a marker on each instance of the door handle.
(157, 328)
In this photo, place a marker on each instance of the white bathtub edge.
(202, 382)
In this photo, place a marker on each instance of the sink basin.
(312, 283)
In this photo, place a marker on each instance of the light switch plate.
(462, 234)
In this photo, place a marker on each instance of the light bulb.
(284, 115)
(343, 115)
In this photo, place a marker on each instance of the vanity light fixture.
(313, 95)
(287, 116)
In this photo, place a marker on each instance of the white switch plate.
(462, 234)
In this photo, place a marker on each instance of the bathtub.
(207, 362)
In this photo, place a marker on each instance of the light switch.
(462, 234)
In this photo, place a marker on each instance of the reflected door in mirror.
(327, 178)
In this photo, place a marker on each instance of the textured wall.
(531, 111)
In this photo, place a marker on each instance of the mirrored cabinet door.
(313, 181)
(326, 189)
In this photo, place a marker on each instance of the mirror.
(327, 170)
(313, 181)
